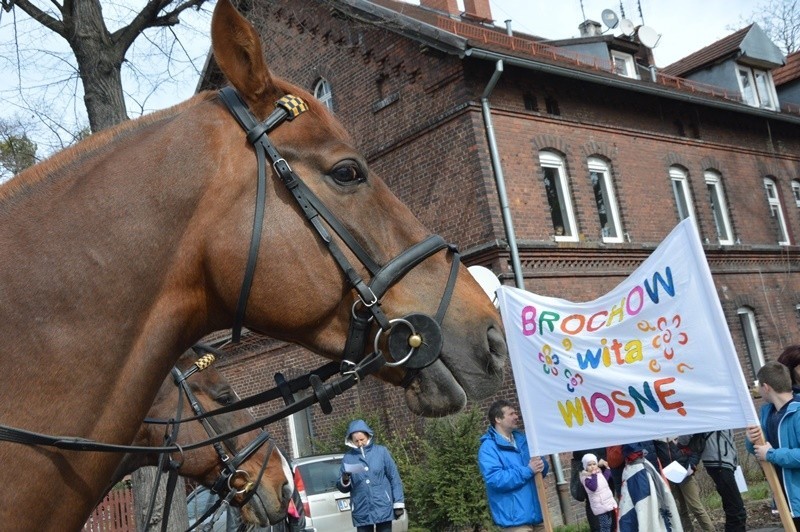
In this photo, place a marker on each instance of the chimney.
(449, 7)
(478, 9)
(590, 28)
(509, 31)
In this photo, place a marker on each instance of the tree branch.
(149, 17)
(41, 17)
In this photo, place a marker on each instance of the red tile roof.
(711, 53)
(788, 72)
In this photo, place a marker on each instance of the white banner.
(650, 359)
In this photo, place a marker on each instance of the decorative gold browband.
(293, 105)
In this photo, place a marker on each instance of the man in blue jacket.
(369, 473)
(508, 471)
(780, 421)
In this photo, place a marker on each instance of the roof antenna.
(582, 11)
(621, 9)
(641, 16)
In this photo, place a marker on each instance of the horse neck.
(102, 277)
(100, 235)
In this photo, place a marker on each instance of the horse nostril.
(497, 343)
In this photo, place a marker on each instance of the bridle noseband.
(415, 340)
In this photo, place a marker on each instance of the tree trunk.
(99, 65)
(143, 480)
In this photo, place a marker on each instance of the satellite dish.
(488, 281)
(627, 27)
(609, 18)
(648, 36)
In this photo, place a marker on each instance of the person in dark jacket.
(370, 475)
(686, 492)
(508, 471)
(791, 359)
(718, 454)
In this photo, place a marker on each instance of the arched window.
(747, 319)
(605, 199)
(776, 211)
(558, 197)
(683, 195)
(716, 198)
(323, 93)
(796, 191)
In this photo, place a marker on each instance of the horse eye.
(225, 399)
(347, 174)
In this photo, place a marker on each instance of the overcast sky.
(684, 26)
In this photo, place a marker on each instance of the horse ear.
(237, 50)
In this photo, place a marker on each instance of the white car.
(327, 509)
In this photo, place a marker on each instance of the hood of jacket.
(358, 425)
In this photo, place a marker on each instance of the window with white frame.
(796, 192)
(558, 197)
(623, 64)
(323, 93)
(776, 211)
(610, 226)
(747, 319)
(681, 191)
(716, 198)
(757, 87)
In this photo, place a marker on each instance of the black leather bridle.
(223, 487)
(414, 341)
(417, 341)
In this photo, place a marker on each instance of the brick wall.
(415, 112)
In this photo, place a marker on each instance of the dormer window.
(757, 87)
(623, 64)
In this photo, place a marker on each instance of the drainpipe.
(498, 176)
(561, 485)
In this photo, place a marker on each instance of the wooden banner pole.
(777, 491)
(541, 492)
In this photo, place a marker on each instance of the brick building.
(566, 161)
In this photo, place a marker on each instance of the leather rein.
(414, 341)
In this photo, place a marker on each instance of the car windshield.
(320, 477)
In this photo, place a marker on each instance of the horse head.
(300, 290)
(263, 483)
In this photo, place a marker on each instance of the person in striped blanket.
(646, 503)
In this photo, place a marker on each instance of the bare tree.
(98, 51)
(780, 20)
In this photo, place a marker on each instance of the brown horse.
(122, 251)
(203, 464)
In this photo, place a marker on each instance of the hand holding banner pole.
(774, 482)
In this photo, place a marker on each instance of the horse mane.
(29, 177)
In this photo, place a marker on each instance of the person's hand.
(754, 434)
(536, 464)
(602, 463)
(689, 471)
(762, 450)
(345, 478)
(398, 513)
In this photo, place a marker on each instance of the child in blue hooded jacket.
(370, 475)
